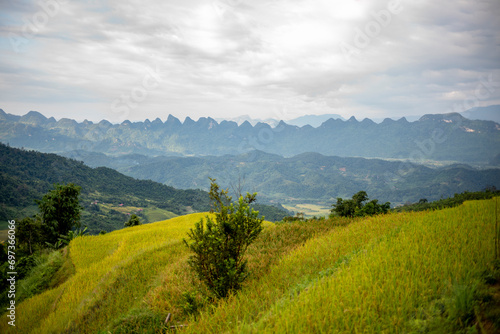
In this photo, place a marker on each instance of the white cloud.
(223, 58)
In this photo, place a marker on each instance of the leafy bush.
(219, 245)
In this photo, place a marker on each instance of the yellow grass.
(378, 274)
(105, 264)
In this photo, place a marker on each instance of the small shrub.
(192, 303)
(219, 246)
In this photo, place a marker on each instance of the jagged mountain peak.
(476, 142)
(188, 121)
(33, 118)
(173, 120)
(367, 121)
(66, 122)
(332, 122)
(104, 123)
(246, 125)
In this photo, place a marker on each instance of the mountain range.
(488, 113)
(440, 137)
(285, 164)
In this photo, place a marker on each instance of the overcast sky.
(131, 59)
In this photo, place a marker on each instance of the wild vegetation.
(27, 175)
(356, 207)
(219, 245)
(428, 271)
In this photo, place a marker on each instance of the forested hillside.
(305, 178)
(108, 197)
(27, 175)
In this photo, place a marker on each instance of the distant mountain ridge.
(441, 137)
(313, 120)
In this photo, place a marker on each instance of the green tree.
(133, 221)
(359, 198)
(29, 233)
(344, 208)
(219, 245)
(356, 207)
(60, 211)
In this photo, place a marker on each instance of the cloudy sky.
(131, 59)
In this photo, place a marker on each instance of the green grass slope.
(402, 272)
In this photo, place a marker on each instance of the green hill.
(309, 178)
(107, 196)
(402, 272)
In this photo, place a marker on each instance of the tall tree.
(60, 211)
(29, 232)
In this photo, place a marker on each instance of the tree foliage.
(219, 244)
(356, 207)
(29, 233)
(60, 211)
(133, 221)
